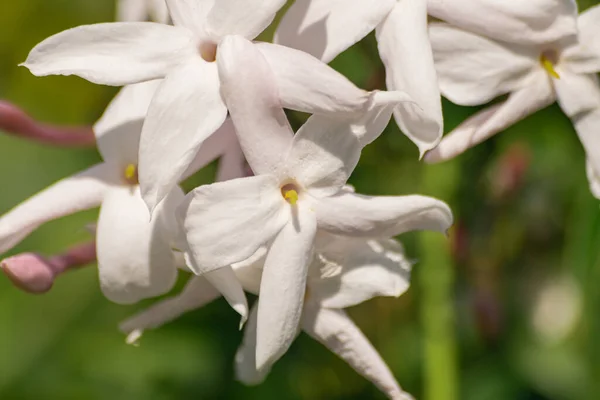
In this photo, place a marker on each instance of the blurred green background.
(507, 308)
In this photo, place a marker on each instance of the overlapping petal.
(584, 56)
(186, 109)
(245, 358)
(247, 18)
(191, 14)
(473, 70)
(356, 215)
(79, 192)
(577, 94)
(283, 286)
(325, 28)
(115, 54)
(405, 50)
(228, 222)
(227, 284)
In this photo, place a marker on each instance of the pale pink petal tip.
(16, 121)
(29, 272)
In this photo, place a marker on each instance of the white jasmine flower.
(299, 186)
(345, 272)
(141, 10)
(474, 70)
(188, 107)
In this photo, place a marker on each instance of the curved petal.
(247, 18)
(588, 130)
(577, 93)
(368, 269)
(473, 70)
(191, 14)
(227, 284)
(309, 85)
(250, 92)
(79, 192)
(594, 178)
(283, 286)
(186, 109)
(323, 155)
(336, 331)
(531, 22)
(356, 215)
(228, 222)
(115, 54)
(325, 28)
(484, 124)
(584, 57)
(118, 130)
(135, 260)
(245, 358)
(405, 50)
(197, 293)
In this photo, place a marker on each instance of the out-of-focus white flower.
(135, 259)
(188, 107)
(141, 10)
(299, 186)
(473, 70)
(344, 272)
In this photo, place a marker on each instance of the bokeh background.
(507, 308)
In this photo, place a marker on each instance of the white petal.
(132, 10)
(228, 222)
(369, 268)
(526, 22)
(247, 18)
(323, 155)
(594, 178)
(227, 284)
(588, 129)
(405, 50)
(473, 70)
(325, 28)
(118, 130)
(283, 286)
(584, 57)
(309, 85)
(484, 124)
(135, 259)
(79, 192)
(381, 216)
(196, 293)
(159, 12)
(186, 109)
(576, 93)
(191, 14)
(336, 331)
(245, 358)
(115, 54)
(250, 92)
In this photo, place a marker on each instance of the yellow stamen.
(291, 196)
(549, 67)
(131, 174)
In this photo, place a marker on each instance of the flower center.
(548, 59)
(208, 51)
(290, 193)
(130, 174)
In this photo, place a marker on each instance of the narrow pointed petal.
(191, 14)
(197, 293)
(405, 50)
(473, 70)
(369, 268)
(336, 331)
(79, 192)
(118, 130)
(135, 259)
(246, 18)
(594, 178)
(356, 215)
(588, 130)
(115, 54)
(323, 155)
(532, 22)
(325, 28)
(245, 358)
(308, 85)
(15, 121)
(186, 109)
(227, 284)
(228, 222)
(577, 94)
(250, 92)
(494, 119)
(584, 56)
(283, 286)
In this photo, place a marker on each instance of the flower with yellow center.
(474, 70)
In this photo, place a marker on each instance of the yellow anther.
(549, 67)
(291, 196)
(131, 174)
